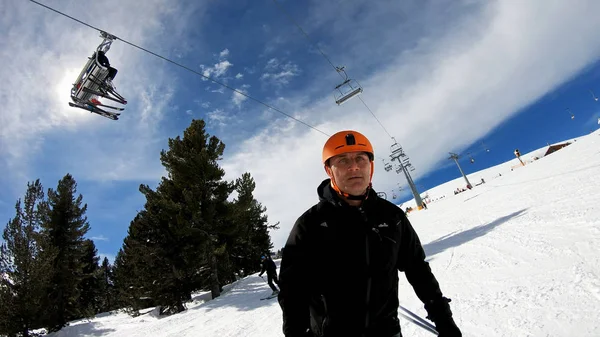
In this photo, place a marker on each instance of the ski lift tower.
(404, 165)
(455, 157)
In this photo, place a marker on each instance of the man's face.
(352, 172)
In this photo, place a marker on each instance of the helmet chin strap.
(358, 197)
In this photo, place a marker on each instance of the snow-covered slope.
(519, 256)
(489, 174)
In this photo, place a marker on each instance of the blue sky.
(440, 76)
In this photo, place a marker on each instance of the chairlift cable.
(307, 37)
(328, 60)
(377, 119)
(189, 69)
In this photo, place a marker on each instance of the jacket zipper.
(368, 261)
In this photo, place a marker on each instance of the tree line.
(195, 232)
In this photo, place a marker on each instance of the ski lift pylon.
(347, 89)
(95, 80)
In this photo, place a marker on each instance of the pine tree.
(128, 287)
(24, 266)
(253, 238)
(106, 295)
(89, 287)
(65, 226)
(198, 189)
(174, 245)
(138, 266)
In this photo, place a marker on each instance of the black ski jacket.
(339, 269)
(269, 266)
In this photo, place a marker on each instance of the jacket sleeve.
(262, 268)
(411, 260)
(293, 276)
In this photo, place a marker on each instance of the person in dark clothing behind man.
(269, 266)
(339, 269)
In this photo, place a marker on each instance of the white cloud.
(272, 64)
(224, 53)
(238, 98)
(278, 73)
(451, 87)
(239, 76)
(216, 71)
(219, 89)
(99, 238)
(217, 118)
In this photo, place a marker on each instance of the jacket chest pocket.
(383, 249)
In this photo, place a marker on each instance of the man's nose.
(354, 164)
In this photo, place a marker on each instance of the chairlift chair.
(387, 167)
(572, 115)
(347, 89)
(485, 147)
(594, 96)
(395, 148)
(94, 82)
(471, 159)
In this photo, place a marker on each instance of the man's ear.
(328, 171)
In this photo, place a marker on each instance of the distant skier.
(269, 266)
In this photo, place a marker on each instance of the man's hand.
(439, 312)
(447, 328)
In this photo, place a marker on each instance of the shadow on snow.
(456, 239)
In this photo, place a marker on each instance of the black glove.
(447, 328)
(439, 312)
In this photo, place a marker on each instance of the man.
(112, 72)
(269, 266)
(339, 270)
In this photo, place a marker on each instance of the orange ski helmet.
(344, 142)
(347, 141)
